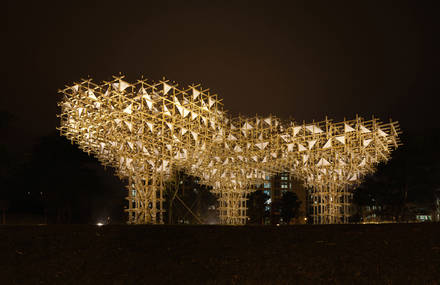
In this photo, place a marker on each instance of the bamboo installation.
(146, 129)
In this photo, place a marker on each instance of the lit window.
(267, 185)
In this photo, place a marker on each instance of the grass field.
(120, 254)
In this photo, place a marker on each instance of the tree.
(61, 179)
(187, 200)
(289, 206)
(406, 183)
(257, 207)
(7, 165)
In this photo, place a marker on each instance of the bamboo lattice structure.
(146, 129)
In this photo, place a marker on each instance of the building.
(275, 186)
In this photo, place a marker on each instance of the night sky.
(294, 59)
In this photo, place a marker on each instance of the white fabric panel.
(340, 139)
(102, 146)
(142, 91)
(165, 110)
(194, 135)
(205, 120)
(128, 110)
(129, 125)
(149, 103)
(247, 126)
(364, 129)
(353, 178)
(185, 112)
(91, 95)
(262, 145)
(268, 121)
(231, 137)
(210, 102)
(128, 162)
(305, 158)
(290, 146)
(170, 126)
(123, 85)
(301, 147)
(328, 144)
(180, 109)
(367, 142)
(285, 137)
(196, 94)
(347, 128)
(323, 162)
(150, 125)
(193, 115)
(314, 129)
(257, 122)
(107, 92)
(382, 133)
(296, 130)
(166, 88)
(312, 143)
(145, 94)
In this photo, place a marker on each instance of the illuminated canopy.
(146, 129)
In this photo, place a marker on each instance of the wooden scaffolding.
(147, 128)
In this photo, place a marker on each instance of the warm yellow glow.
(146, 129)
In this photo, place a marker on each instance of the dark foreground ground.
(336, 254)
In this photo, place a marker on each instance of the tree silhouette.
(63, 179)
(408, 182)
(289, 206)
(257, 207)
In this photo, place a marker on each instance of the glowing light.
(143, 130)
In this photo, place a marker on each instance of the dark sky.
(304, 59)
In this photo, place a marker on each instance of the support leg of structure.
(232, 207)
(145, 199)
(330, 204)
